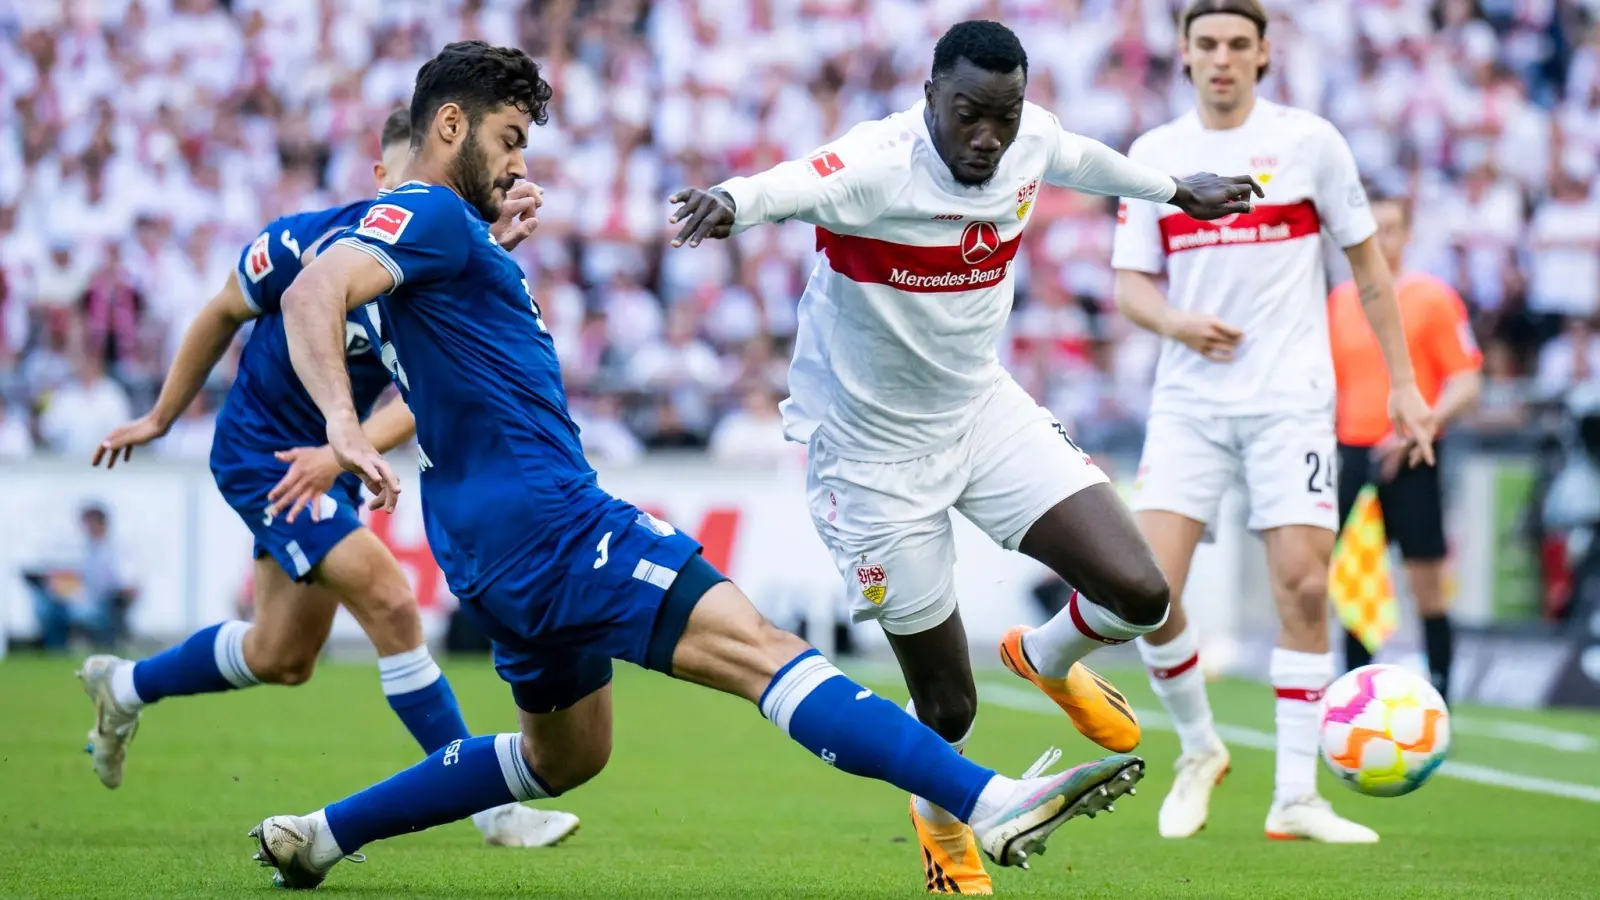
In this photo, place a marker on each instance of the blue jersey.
(504, 480)
(267, 408)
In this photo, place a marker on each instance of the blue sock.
(465, 777)
(857, 731)
(419, 694)
(211, 660)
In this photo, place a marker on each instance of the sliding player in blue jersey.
(562, 576)
(306, 565)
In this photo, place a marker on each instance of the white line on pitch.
(1240, 736)
(1519, 733)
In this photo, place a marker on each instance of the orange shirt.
(1437, 332)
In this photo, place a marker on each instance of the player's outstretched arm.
(314, 307)
(206, 339)
(1413, 419)
(1087, 165)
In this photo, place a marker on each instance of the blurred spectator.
(15, 440)
(753, 433)
(605, 436)
(143, 144)
(90, 593)
(190, 436)
(80, 413)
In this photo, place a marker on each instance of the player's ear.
(451, 123)
(927, 91)
(379, 173)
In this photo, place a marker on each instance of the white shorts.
(1288, 462)
(888, 524)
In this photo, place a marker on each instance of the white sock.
(1299, 680)
(410, 671)
(229, 654)
(122, 689)
(1176, 678)
(996, 794)
(1073, 633)
(324, 849)
(932, 813)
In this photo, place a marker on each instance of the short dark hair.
(1250, 9)
(990, 46)
(478, 78)
(396, 128)
(1376, 195)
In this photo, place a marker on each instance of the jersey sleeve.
(418, 234)
(268, 265)
(1340, 198)
(1086, 165)
(1136, 245)
(1451, 340)
(844, 185)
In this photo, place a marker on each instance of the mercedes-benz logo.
(979, 241)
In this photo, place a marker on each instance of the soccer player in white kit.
(1245, 382)
(897, 388)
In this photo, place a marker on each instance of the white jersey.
(1262, 271)
(901, 320)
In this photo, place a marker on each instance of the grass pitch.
(703, 799)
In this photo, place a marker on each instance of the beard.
(469, 170)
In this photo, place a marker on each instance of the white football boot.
(1311, 818)
(299, 849)
(1188, 803)
(114, 726)
(1041, 805)
(515, 825)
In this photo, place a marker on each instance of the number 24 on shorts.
(1321, 474)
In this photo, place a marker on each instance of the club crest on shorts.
(874, 582)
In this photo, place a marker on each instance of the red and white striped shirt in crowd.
(901, 319)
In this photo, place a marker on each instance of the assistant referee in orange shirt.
(1448, 367)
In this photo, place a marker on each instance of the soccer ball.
(1385, 731)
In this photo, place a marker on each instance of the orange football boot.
(1098, 710)
(950, 858)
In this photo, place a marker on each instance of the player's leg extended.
(727, 645)
(1032, 489)
(280, 647)
(554, 752)
(367, 578)
(937, 667)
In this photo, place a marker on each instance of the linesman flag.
(1359, 581)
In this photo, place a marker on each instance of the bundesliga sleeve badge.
(384, 222)
(258, 262)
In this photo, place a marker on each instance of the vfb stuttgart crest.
(1025, 198)
(874, 582)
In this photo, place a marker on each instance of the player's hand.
(1414, 421)
(704, 214)
(1391, 454)
(312, 472)
(1208, 196)
(121, 442)
(1206, 335)
(518, 214)
(355, 453)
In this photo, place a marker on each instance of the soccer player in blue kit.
(306, 565)
(563, 577)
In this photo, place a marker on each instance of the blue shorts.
(245, 479)
(625, 592)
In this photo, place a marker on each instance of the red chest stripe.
(1265, 224)
(980, 261)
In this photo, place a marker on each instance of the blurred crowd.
(144, 142)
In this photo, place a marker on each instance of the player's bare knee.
(393, 619)
(1140, 597)
(1305, 600)
(948, 710)
(287, 666)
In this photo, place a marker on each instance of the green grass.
(703, 799)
